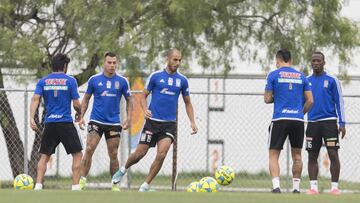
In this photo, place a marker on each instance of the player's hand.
(342, 130)
(126, 124)
(194, 128)
(77, 117)
(147, 114)
(33, 124)
(82, 124)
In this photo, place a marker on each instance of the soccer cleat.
(276, 190)
(312, 192)
(143, 189)
(115, 187)
(335, 191)
(295, 191)
(117, 177)
(82, 183)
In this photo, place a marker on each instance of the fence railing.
(232, 131)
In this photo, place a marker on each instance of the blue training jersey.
(165, 89)
(107, 95)
(57, 89)
(329, 103)
(288, 86)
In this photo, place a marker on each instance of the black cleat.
(276, 190)
(296, 191)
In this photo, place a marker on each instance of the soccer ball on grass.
(23, 182)
(208, 184)
(224, 175)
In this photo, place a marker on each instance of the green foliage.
(211, 32)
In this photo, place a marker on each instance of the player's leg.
(112, 142)
(92, 140)
(296, 138)
(49, 142)
(313, 146)
(277, 137)
(331, 139)
(72, 144)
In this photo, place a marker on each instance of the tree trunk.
(11, 133)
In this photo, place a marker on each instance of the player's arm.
(35, 101)
(77, 106)
(339, 104)
(309, 101)
(83, 107)
(144, 106)
(268, 97)
(190, 113)
(129, 109)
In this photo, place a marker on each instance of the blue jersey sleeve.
(339, 102)
(269, 82)
(307, 86)
(74, 89)
(185, 88)
(150, 83)
(125, 90)
(90, 87)
(39, 88)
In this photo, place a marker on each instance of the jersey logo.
(178, 82)
(170, 81)
(162, 81)
(108, 84)
(117, 85)
(165, 91)
(107, 94)
(326, 83)
(100, 84)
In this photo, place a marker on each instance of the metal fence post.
(26, 164)
(288, 165)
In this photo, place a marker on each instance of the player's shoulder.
(96, 76)
(157, 73)
(121, 78)
(331, 77)
(183, 77)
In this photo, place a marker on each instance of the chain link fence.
(232, 120)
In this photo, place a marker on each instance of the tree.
(207, 31)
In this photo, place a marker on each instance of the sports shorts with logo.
(110, 131)
(281, 129)
(63, 132)
(156, 130)
(321, 132)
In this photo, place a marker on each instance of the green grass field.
(96, 196)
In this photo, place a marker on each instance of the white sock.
(75, 187)
(123, 170)
(334, 185)
(314, 185)
(38, 186)
(145, 185)
(83, 178)
(296, 184)
(276, 182)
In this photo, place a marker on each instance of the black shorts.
(54, 133)
(156, 130)
(317, 132)
(279, 130)
(110, 131)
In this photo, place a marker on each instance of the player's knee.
(113, 154)
(89, 150)
(161, 156)
(333, 154)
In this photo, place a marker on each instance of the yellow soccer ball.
(225, 175)
(23, 182)
(193, 187)
(208, 184)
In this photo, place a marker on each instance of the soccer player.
(322, 126)
(107, 88)
(58, 90)
(291, 93)
(160, 126)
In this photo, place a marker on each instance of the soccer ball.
(23, 182)
(193, 187)
(224, 175)
(208, 184)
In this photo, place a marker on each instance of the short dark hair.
(171, 51)
(110, 54)
(284, 55)
(320, 53)
(59, 61)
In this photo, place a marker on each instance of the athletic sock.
(314, 185)
(276, 182)
(296, 184)
(123, 170)
(334, 185)
(75, 187)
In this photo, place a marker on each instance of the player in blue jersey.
(160, 126)
(58, 90)
(290, 92)
(107, 87)
(322, 126)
